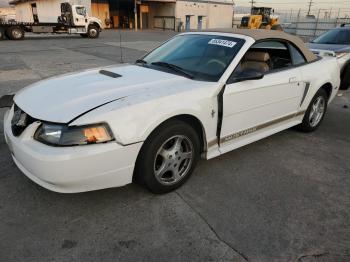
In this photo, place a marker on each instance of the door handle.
(293, 80)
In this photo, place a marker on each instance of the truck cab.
(79, 21)
(65, 19)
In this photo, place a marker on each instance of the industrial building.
(7, 14)
(142, 14)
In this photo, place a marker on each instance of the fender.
(95, 21)
(132, 119)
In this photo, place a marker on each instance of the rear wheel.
(168, 157)
(315, 112)
(15, 33)
(93, 31)
(345, 80)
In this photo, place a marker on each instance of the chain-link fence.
(307, 25)
(310, 25)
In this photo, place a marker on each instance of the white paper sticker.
(222, 42)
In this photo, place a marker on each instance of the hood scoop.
(109, 73)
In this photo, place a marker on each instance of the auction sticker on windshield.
(222, 42)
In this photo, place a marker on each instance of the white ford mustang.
(199, 94)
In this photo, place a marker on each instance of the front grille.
(20, 121)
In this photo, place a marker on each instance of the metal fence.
(310, 28)
(307, 25)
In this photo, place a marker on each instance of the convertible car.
(200, 94)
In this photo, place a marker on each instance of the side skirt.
(245, 137)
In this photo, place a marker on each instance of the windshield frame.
(241, 41)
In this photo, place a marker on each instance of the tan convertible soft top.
(261, 34)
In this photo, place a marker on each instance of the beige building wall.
(7, 13)
(215, 14)
(48, 10)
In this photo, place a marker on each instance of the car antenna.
(120, 33)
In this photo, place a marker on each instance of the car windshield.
(334, 37)
(197, 56)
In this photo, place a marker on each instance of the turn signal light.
(96, 134)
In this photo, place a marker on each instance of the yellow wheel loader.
(261, 18)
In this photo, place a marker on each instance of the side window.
(297, 56)
(81, 10)
(267, 56)
(279, 54)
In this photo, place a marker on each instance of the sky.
(3, 2)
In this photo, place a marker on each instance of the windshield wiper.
(175, 68)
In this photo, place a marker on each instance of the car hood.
(335, 48)
(61, 99)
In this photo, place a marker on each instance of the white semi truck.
(74, 19)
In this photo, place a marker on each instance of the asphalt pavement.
(284, 198)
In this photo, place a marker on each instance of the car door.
(80, 16)
(252, 106)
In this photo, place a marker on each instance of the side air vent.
(109, 73)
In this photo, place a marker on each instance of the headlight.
(63, 135)
(340, 55)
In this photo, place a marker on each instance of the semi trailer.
(74, 19)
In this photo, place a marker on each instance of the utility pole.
(252, 2)
(135, 14)
(311, 2)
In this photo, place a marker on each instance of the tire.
(2, 34)
(277, 28)
(15, 33)
(84, 35)
(345, 80)
(314, 114)
(93, 31)
(163, 153)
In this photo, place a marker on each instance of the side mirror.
(247, 74)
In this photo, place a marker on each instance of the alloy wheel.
(173, 160)
(317, 111)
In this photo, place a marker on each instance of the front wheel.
(168, 157)
(315, 112)
(93, 31)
